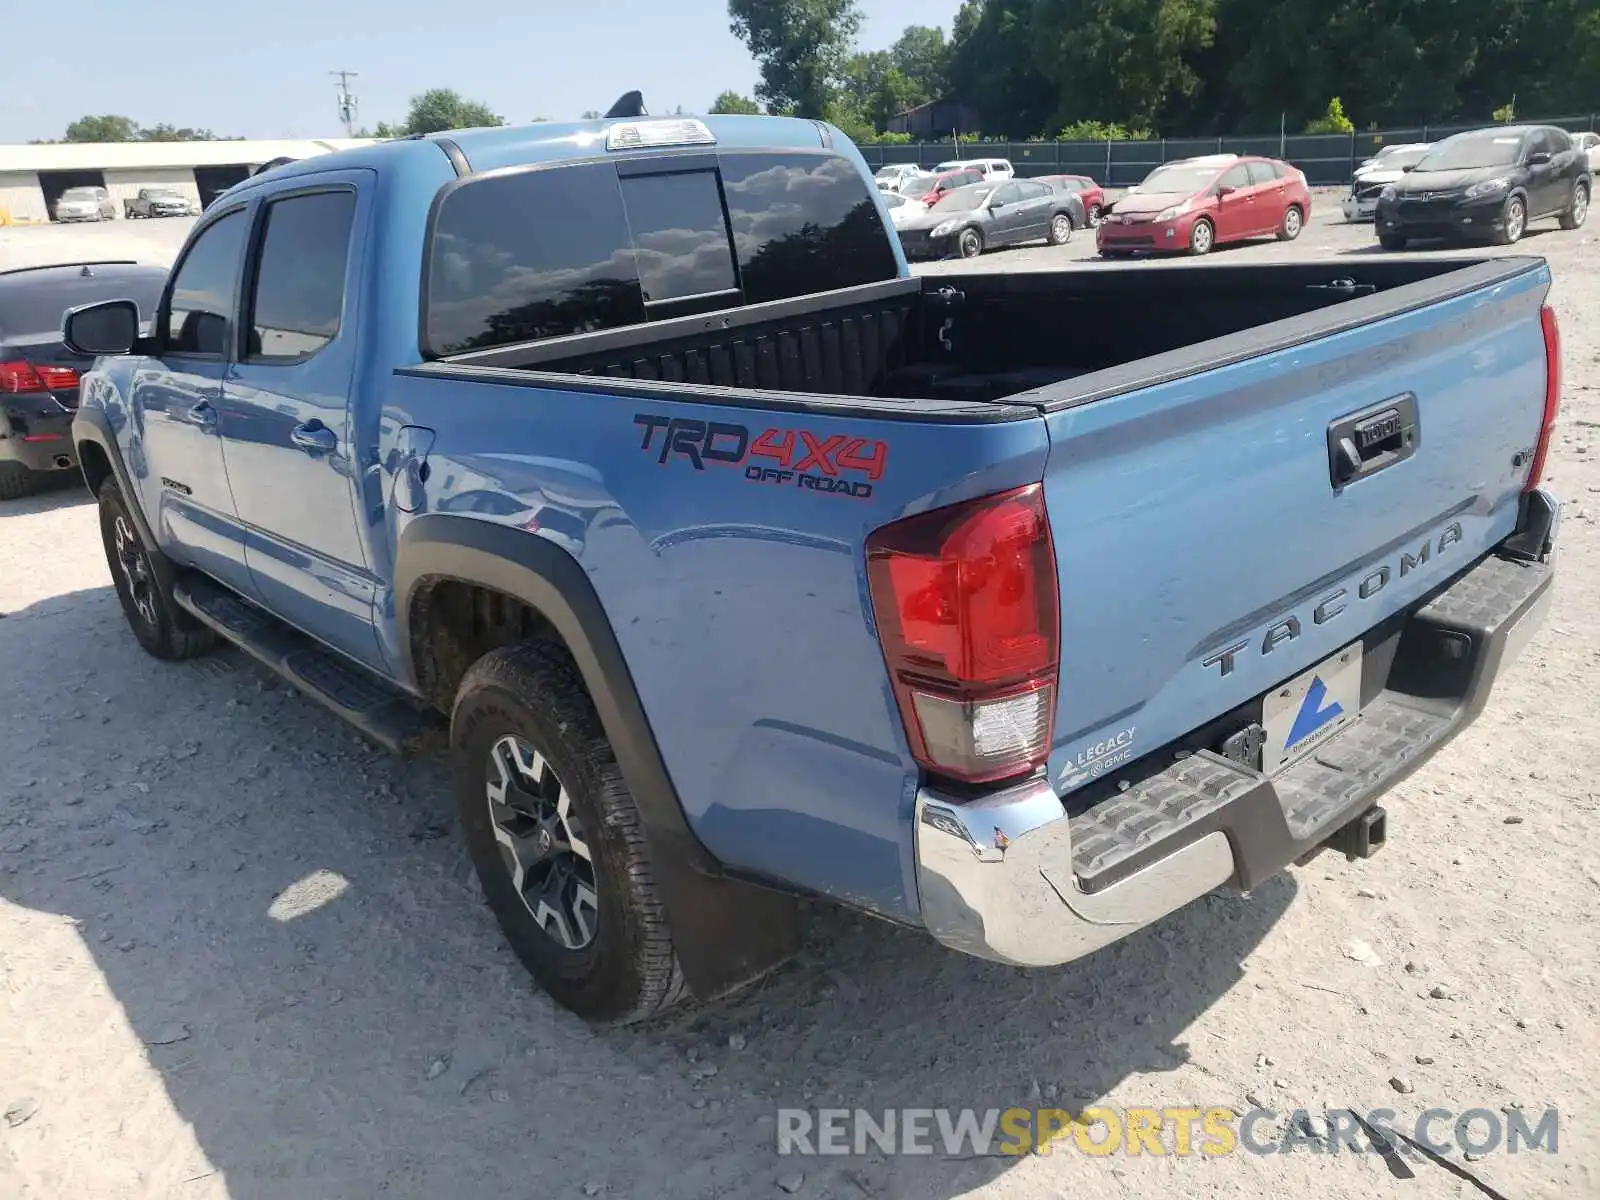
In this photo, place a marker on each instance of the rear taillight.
(17, 377)
(1552, 394)
(966, 604)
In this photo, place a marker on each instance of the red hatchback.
(931, 189)
(1087, 190)
(1194, 204)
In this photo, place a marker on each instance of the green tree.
(800, 47)
(387, 131)
(1100, 131)
(102, 129)
(922, 56)
(169, 133)
(439, 109)
(732, 103)
(1332, 121)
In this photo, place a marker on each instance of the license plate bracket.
(1311, 708)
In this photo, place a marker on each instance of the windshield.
(1472, 151)
(962, 200)
(957, 165)
(919, 186)
(78, 194)
(887, 172)
(1400, 159)
(1178, 178)
(161, 194)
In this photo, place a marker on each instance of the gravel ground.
(242, 956)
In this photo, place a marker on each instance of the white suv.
(990, 168)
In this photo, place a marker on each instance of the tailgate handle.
(1366, 442)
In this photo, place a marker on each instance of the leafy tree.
(732, 103)
(592, 114)
(439, 109)
(386, 131)
(922, 56)
(1332, 121)
(168, 133)
(102, 129)
(800, 47)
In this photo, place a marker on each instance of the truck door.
(176, 398)
(286, 423)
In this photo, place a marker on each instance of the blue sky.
(260, 69)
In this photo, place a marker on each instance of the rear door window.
(1261, 172)
(298, 297)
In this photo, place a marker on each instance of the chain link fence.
(1327, 159)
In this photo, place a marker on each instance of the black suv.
(1487, 184)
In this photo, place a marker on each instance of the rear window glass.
(533, 255)
(679, 234)
(574, 249)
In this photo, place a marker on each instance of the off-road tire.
(163, 629)
(16, 481)
(629, 971)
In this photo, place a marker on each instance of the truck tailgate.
(1206, 552)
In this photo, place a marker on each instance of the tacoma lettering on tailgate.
(785, 457)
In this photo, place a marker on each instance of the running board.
(380, 711)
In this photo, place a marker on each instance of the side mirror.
(1408, 168)
(1225, 190)
(1538, 158)
(109, 327)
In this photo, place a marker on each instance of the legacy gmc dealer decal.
(831, 463)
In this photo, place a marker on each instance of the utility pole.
(348, 104)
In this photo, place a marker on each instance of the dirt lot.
(242, 956)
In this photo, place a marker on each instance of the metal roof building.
(32, 177)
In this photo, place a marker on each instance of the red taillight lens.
(58, 379)
(19, 377)
(16, 377)
(1552, 394)
(967, 610)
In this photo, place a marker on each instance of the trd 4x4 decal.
(832, 462)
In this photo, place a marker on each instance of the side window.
(1034, 191)
(298, 296)
(202, 289)
(1261, 172)
(1236, 177)
(802, 223)
(496, 275)
(1560, 143)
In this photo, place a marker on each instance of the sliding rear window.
(549, 252)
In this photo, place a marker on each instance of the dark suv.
(1487, 185)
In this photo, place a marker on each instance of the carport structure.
(33, 176)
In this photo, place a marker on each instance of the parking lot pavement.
(156, 241)
(241, 954)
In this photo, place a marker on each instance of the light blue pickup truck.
(735, 564)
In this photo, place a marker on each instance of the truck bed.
(990, 337)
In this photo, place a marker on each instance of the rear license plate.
(1307, 711)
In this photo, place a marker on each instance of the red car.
(1090, 192)
(931, 189)
(1194, 204)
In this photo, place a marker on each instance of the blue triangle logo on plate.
(1315, 712)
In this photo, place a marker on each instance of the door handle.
(314, 437)
(202, 414)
